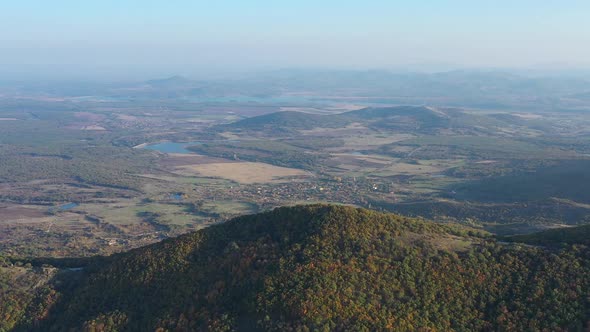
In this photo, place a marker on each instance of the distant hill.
(170, 82)
(290, 120)
(321, 267)
(387, 112)
(287, 121)
(398, 118)
(402, 117)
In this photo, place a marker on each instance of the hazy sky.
(172, 34)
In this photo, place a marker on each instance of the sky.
(153, 37)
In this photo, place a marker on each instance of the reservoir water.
(179, 147)
(64, 207)
(176, 196)
(68, 206)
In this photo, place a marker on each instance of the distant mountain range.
(171, 82)
(472, 88)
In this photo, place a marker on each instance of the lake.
(176, 196)
(64, 207)
(68, 206)
(178, 147)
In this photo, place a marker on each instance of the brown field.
(351, 161)
(528, 116)
(243, 172)
(126, 117)
(355, 158)
(93, 127)
(19, 212)
(351, 129)
(346, 107)
(179, 159)
(371, 141)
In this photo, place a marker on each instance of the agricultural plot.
(244, 172)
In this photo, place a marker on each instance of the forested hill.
(556, 237)
(319, 267)
(410, 119)
(287, 121)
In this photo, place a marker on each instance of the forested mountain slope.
(322, 267)
(556, 237)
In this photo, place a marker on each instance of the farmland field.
(244, 172)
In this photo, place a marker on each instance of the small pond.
(176, 196)
(63, 207)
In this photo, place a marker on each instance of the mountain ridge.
(325, 267)
(400, 118)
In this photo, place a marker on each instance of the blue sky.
(252, 34)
